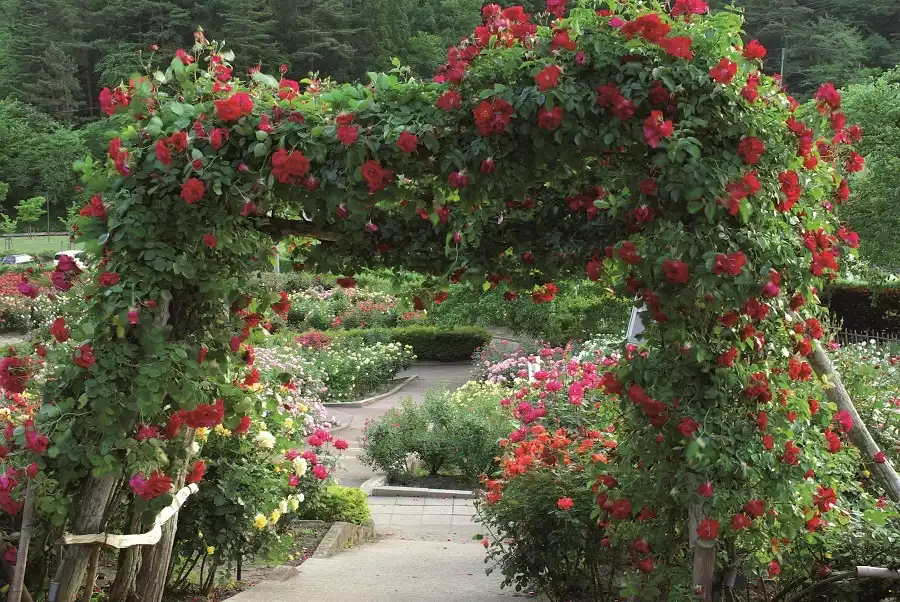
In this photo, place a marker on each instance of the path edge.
(370, 400)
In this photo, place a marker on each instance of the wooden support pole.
(17, 585)
(93, 569)
(859, 435)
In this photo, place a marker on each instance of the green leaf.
(266, 80)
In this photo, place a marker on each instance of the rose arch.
(633, 144)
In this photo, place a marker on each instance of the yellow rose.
(222, 431)
(294, 503)
(866, 474)
(302, 408)
(202, 433)
(278, 469)
(276, 516)
(283, 506)
(288, 423)
(211, 550)
(260, 521)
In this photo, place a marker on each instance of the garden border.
(377, 485)
(370, 400)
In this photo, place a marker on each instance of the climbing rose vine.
(630, 144)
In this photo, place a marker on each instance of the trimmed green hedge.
(430, 343)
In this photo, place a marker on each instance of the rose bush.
(631, 166)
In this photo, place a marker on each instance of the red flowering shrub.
(676, 114)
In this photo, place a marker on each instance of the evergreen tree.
(248, 28)
(316, 36)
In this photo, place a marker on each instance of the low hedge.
(863, 307)
(429, 343)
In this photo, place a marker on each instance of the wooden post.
(93, 568)
(704, 556)
(18, 581)
(156, 561)
(859, 435)
(92, 509)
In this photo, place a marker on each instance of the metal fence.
(848, 337)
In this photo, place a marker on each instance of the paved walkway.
(391, 570)
(426, 550)
(425, 518)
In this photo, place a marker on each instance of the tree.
(546, 155)
(248, 27)
(317, 36)
(876, 107)
(31, 210)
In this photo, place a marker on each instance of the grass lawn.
(29, 245)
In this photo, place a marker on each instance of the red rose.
(678, 46)
(441, 297)
(689, 7)
(768, 442)
(163, 154)
(676, 272)
(14, 374)
(174, 425)
(855, 162)
(107, 279)
(550, 119)
(193, 190)
(708, 529)
(449, 100)
(548, 77)
(731, 264)
(723, 72)
(828, 98)
(84, 356)
(754, 50)
(156, 485)
(739, 522)
(375, 176)
(755, 508)
(209, 239)
(206, 415)
(218, 137)
(750, 148)
(565, 503)
(347, 134)
(688, 426)
(243, 425)
(621, 509)
(726, 360)
(407, 142)
(179, 141)
(705, 489)
(196, 473)
(59, 330)
(234, 107)
(645, 565)
(458, 179)
(879, 457)
(656, 127)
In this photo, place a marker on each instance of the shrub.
(339, 503)
(440, 344)
(429, 343)
(580, 310)
(455, 432)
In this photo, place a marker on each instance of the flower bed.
(319, 369)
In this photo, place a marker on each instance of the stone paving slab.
(390, 571)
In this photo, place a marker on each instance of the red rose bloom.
(375, 176)
(750, 148)
(731, 264)
(855, 162)
(156, 485)
(163, 154)
(723, 72)
(209, 239)
(196, 473)
(234, 107)
(107, 279)
(739, 522)
(687, 426)
(347, 134)
(705, 489)
(206, 415)
(827, 98)
(755, 508)
(548, 77)
(243, 425)
(565, 503)
(407, 142)
(656, 127)
(59, 330)
(84, 356)
(676, 272)
(754, 50)
(678, 46)
(550, 119)
(689, 7)
(726, 360)
(449, 100)
(879, 457)
(193, 190)
(708, 529)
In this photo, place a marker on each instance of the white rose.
(265, 440)
(300, 466)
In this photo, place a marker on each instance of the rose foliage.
(644, 160)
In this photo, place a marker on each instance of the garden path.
(425, 551)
